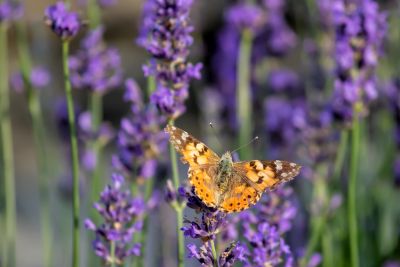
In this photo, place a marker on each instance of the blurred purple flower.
(64, 23)
(266, 246)
(283, 80)
(284, 120)
(166, 36)
(140, 139)
(94, 66)
(246, 16)
(122, 215)
(10, 11)
(360, 31)
(107, 3)
(39, 78)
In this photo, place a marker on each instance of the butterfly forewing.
(203, 164)
(264, 174)
(193, 151)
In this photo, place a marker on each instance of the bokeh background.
(306, 70)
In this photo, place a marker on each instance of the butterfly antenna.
(251, 141)
(215, 134)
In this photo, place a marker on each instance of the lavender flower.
(10, 11)
(39, 78)
(168, 40)
(140, 139)
(122, 218)
(205, 229)
(95, 66)
(246, 16)
(360, 30)
(284, 120)
(63, 23)
(266, 246)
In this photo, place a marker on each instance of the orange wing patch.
(204, 186)
(239, 198)
(193, 151)
(263, 174)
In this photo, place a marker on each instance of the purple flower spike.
(122, 216)
(358, 45)
(140, 139)
(39, 78)
(63, 23)
(96, 67)
(166, 36)
(246, 16)
(10, 11)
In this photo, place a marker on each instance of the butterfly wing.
(202, 161)
(265, 174)
(192, 150)
(251, 178)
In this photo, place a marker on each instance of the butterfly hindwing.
(202, 180)
(193, 151)
(264, 174)
(240, 196)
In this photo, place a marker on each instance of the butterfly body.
(223, 184)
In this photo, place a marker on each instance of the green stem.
(243, 95)
(7, 150)
(151, 85)
(40, 143)
(314, 239)
(112, 254)
(74, 155)
(178, 208)
(352, 192)
(340, 156)
(319, 220)
(214, 252)
(327, 249)
(96, 109)
(94, 14)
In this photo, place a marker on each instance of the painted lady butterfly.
(223, 184)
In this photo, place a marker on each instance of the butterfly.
(223, 184)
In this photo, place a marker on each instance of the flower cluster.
(284, 120)
(64, 23)
(168, 40)
(95, 66)
(10, 11)
(140, 139)
(39, 78)
(246, 16)
(122, 215)
(360, 30)
(267, 247)
(205, 229)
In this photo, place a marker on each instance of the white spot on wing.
(184, 136)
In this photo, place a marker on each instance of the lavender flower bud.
(63, 23)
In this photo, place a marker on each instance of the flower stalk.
(74, 155)
(7, 154)
(352, 191)
(243, 94)
(36, 114)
